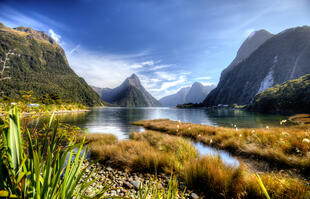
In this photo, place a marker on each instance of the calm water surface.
(117, 121)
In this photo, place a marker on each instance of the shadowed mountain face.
(254, 40)
(194, 94)
(39, 64)
(129, 94)
(280, 58)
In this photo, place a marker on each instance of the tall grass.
(30, 169)
(155, 191)
(145, 152)
(284, 146)
(152, 151)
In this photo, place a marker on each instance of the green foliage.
(32, 170)
(262, 186)
(155, 191)
(41, 66)
(290, 97)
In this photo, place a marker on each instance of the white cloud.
(136, 66)
(166, 85)
(208, 83)
(203, 78)
(158, 67)
(166, 76)
(55, 36)
(100, 69)
(148, 63)
(143, 64)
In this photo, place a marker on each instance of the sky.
(169, 44)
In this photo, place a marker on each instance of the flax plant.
(32, 168)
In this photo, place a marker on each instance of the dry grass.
(145, 152)
(156, 152)
(211, 176)
(301, 118)
(284, 146)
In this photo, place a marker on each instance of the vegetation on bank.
(152, 151)
(47, 163)
(292, 96)
(286, 146)
(29, 109)
(30, 105)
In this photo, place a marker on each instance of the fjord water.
(117, 121)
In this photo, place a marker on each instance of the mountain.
(36, 62)
(129, 94)
(292, 96)
(194, 94)
(254, 40)
(175, 99)
(198, 93)
(283, 57)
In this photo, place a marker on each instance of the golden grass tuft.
(145, 152)
(287, 146)
(156, 152)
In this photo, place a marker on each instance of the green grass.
(290, 97)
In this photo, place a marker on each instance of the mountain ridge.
(284, 56)
(193, 94)
(38, 63)
(130, 93)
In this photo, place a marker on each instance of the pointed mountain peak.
(133, 80)
(133, 76)
(197, 84)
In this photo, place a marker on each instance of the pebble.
(124, 183)
(136, 184)
(194, 196)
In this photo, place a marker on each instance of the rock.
(127, 185)
(135, 183)
(194, 196)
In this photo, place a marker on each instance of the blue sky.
(168, 43)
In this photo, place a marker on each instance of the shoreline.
(124, 183)
(35, 114)
(242, 144)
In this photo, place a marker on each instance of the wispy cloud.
(160, 67)
(13, 18)
(208, 83)
(74, 49)
(168, 76)
(166, 85)
(203, 78)
(100, 69)
(55, 36)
